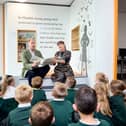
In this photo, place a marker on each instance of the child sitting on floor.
(63, 110)
(41, 114)
(8, 87)
(7, 94)
(20, 115)
(117, 103)
(38, 93)
(85, 104)
(103, 108)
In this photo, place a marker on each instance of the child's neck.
(88, 118)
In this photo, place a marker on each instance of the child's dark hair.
(70, 82)
(86, 100)
(41, 114)
(60, 42)
(117, 87)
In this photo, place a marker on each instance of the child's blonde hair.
(70, 82)
(37, 82)
(7, 80)
(102, 95)
(101, 77)
(59, 90)
(23, 93)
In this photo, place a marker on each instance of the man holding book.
(32, 62)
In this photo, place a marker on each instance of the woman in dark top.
(63, 68)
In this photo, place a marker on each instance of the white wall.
(13, 11)
(100, 50)
(104, 36)
(78, 15)
(1, 39)
(122, 30)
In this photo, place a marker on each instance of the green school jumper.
(102, 123)
(6, 105)
(71, 95)
(1, 112)
(118, 108)
(38, 95)
(63, 112)
(19, 116)
(99, 115)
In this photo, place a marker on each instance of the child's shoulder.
(75, 124)
(1, 102)
(67, 102)
(38, 91)
(117, 100)
(13, 112)
(1, 99)
(61, 102)
(104, 123)
(116, 97)
(99, 115)
(17, 110)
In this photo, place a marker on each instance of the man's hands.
(35, 63)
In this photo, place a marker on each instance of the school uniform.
(98, 123)
(7, 105)
(118, 108)
(20, 115)
(38, 95)
(63, 112)
(99, 115)
(1, 113)
(71, 95)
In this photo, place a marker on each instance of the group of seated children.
(103, 105)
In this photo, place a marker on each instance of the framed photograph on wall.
(23, 37)
(75, 38)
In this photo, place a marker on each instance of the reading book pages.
(42, 62)
(48, 61)
(36, 59)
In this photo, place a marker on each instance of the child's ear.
(30, 122)
(31, 97)
(53, 120)
(75, 107)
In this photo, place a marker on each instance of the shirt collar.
(58, 99)
(84, 122)
(36, 88)
(24, 105)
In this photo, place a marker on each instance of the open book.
(42, 61)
